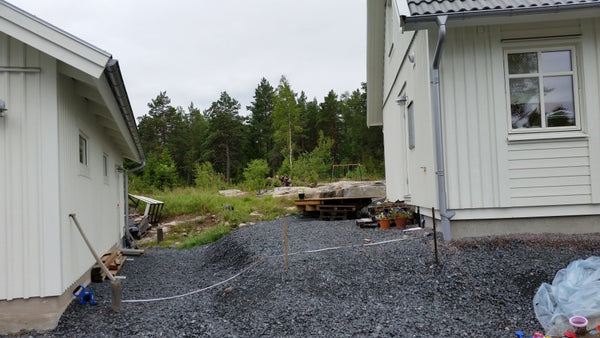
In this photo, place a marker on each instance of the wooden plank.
(132, 252)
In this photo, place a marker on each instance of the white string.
(254, 264)
(195, 291)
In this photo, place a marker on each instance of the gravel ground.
(480, 288)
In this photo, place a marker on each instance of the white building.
(518, 143)
(67, 127)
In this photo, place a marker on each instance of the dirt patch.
(182, 225)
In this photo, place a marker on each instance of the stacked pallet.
(335, 212)
(113, 260)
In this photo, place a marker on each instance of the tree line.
(285, 134)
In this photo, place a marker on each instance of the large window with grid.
(542, 89)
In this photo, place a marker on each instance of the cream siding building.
(67, 128)
(516, 158)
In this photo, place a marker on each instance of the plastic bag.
(575, 290)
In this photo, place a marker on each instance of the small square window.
(542, 87)
(83, 150)
(105, 165)
(410, 114)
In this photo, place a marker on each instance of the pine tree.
(328, 121)
(260, 124)
(225, 138)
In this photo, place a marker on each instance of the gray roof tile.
(434, 7)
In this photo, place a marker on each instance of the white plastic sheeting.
(575, 291)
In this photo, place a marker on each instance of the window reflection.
(558, 101)
(525, 103)
(530, 73)
(556, 61)
(522, 63)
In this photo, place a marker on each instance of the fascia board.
(113, 107)
(52, 41)
(499, 17)
(375, 59)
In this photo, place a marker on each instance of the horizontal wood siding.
(549, 173)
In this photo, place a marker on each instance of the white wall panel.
(469, 120)
(408, 171)
(96, 204)
(25, 200)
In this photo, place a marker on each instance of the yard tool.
(115, 284)
(85, 296)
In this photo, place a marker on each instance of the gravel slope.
(481, 287)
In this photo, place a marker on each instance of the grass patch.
(206, 236)
(228, 212)
(192, 201)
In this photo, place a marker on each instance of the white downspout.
(437, 120)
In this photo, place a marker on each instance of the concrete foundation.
(536, 225)
(38, 314)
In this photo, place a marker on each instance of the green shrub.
(206, 177)
(256, 174)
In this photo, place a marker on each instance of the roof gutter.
(437, 121)
(115, 80)
(412, 22)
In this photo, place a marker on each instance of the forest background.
(285, 134)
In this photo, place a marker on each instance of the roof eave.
(427, 21)
(375, 58)
(117, 85)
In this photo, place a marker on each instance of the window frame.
(83, 151)
(105, 162)
(410, 124)
(539, 47)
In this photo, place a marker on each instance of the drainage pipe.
(437, 121)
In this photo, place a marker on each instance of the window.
(410, 114)
(542, 85)
(83, 150)
(105, 167)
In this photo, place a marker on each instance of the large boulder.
(335, 189)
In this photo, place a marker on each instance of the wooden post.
(285, 244)
(115, 284)
(434, 235)
(159, 234)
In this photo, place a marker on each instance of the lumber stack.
(113, 260)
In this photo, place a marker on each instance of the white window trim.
(105, 166)
(83, 158)
(84, 168)
(542, 46)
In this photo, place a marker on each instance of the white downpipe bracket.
(439, 139)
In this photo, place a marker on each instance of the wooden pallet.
(113, 260)
(367, 223)
(334, 212)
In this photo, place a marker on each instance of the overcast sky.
(195, 49)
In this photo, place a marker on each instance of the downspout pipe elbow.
(140, 167)
(441, 21)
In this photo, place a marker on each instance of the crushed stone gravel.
(481, 287)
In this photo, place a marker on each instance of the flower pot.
(579, 323)
(301, 195)
(384, 223)
(400, 222)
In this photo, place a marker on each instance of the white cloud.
(196, 49)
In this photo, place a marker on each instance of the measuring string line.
(253, 265)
